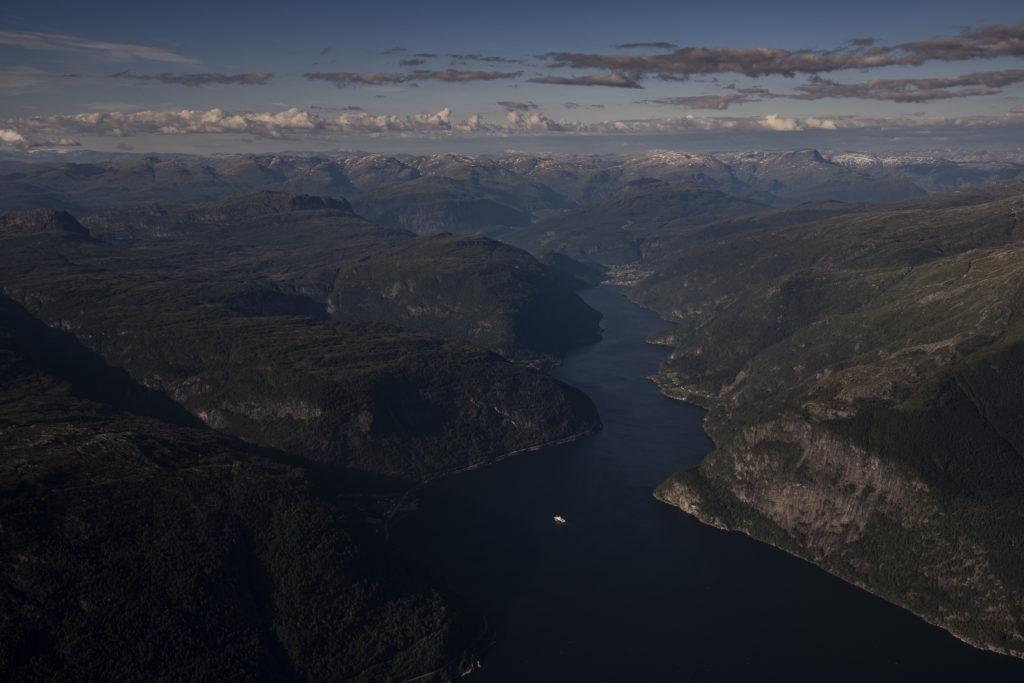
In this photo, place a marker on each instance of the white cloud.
(823, 124)
(12, 138)
(295, 123)
(473, 124)
(439, 121)
(775, 122)
(285, 123)
(537, 122)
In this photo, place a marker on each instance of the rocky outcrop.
(795, 485)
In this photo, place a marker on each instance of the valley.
(250, 358)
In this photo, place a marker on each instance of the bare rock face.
(861, 518)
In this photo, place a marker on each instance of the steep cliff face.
(865, 402)
(795, 485)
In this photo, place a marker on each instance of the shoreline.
(721, 527)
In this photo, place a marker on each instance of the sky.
(537, 76)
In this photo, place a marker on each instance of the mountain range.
(252, 358)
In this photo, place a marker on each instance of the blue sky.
(543, 76)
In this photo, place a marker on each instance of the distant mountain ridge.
(624, 228)
(469, 191)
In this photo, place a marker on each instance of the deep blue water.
(631, 589)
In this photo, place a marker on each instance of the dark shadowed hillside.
(253, 355)
(474, 289)
(136, 547)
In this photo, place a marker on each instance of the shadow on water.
(631, 589)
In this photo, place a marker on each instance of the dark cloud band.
(996, 40)
(517, 106)
(193, 80)
(613, 80)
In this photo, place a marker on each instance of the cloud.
(482, 58)
(719, 102)
(194, 80)
(461, 76)
(394, 51)
(475, 124)
(344, 78)
(906, 90)
(412, 62)
(537, 122)
(659, 46)
(517, 106)
(351, 107)
(614, 80)
(61, 42)
(776, 122)
(995, 40)
(724, 124)
(281, 124)
(439, 121)
(12, 138)
(298, 124)
(913, 89)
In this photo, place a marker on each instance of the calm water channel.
(631, 589)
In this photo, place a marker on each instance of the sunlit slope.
(864, 378)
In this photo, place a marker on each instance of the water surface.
(631, 589)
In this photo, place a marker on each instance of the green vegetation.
(142, 544)
(202, 403)
(137, 547)
(474, 288)
(882, 350)
(252, 353)
(316, 249)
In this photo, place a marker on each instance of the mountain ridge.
(860, 375)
